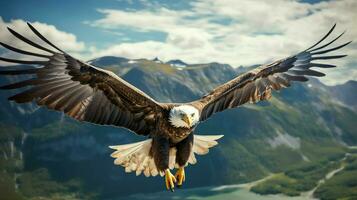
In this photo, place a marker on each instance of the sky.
(235, 32)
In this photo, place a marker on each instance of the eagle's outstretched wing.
(257, 84)
(80, 90)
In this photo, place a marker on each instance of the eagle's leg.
(184, 149)
(170, 180)
(160, 151)
(180, 176)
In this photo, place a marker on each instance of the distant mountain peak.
(108, 60)
(177, 63)
(350, 82)
(157, 60)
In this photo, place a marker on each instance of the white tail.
(135, 156)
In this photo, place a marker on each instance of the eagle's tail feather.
(202, 143)
(136, 156)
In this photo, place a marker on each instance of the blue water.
(210, 193)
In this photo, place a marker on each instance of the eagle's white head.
(184, 116)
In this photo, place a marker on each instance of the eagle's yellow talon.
(170, 180)
(180, 176)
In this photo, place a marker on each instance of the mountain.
(346, 93)
(109, 60)
(177, 63)
(55, 155)
(157, 60)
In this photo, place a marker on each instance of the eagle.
(88, 93)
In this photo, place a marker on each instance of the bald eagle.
(91, 94)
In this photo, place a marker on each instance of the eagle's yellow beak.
(187, 119)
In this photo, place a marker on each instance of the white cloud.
(227, 31)
(255, 32)
(63, 40)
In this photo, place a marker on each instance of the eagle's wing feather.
(257, 84)
(80, 90)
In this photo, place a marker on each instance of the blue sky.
(70, 16)
(237, 32)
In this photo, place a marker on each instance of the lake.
(230, 192)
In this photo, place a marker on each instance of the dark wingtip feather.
(7, 87)
(18, 72)
(9, 29)
(325, 45)
(26, 40)
(19, 84)
(332, 49)
(22, 97)
(4, 87)
(22, 51)
(18, 99)
(323, 38)
(294, 78)
(23, 61)
(321, 65)
(12, 31)
(42, 37)
(328, 57)
(311, 72)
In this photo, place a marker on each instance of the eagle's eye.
(193, 114)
